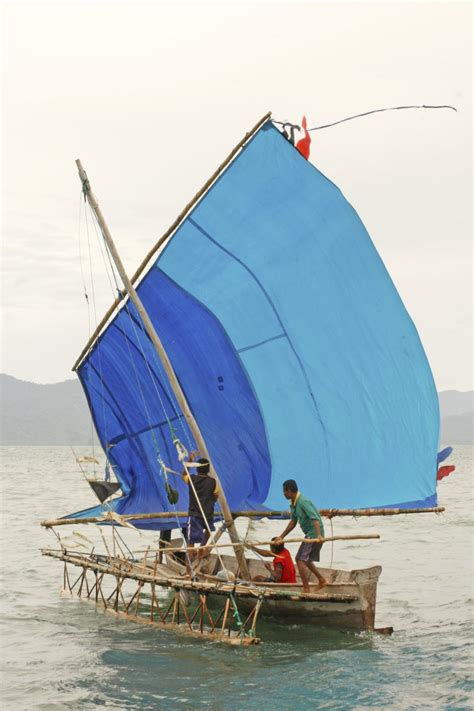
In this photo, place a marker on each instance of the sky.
(153, 96)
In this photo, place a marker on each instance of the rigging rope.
(377, 111)
(170, 492)
(157, 362)
(112, 289)
(151, 429)
(99, 354)
(139, 386)
(166, 387)
(136, 329)
(332, 543)
(367, 113)
(181, 451)
(86, 295)
(160, 461)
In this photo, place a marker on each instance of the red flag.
(304, 143)
(444, 471)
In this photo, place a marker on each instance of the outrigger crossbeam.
(326, 513)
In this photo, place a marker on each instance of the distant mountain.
(457, 417)
(58, 414)
(43, 414)
(455, 402)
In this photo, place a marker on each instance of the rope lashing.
(85, 188)
(236, 613)
(115, 517)
(171, 492)
(332, 542)
(290, 136)
(181, 450)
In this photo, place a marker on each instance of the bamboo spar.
(327, 513)
(150, 329)
(250, 546)
(169, 232)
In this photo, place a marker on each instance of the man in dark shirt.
(203, 492)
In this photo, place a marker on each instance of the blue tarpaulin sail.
(290, 342)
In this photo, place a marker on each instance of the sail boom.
(326, 513)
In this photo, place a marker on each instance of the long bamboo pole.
(360, 536)
(327, 513)
(170, 231)
(163, 356)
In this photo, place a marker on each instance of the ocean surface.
(59, 653)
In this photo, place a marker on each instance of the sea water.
(62, 653)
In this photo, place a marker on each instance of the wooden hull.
(355, 612)
(358, 614)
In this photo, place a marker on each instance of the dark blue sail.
(291, 344)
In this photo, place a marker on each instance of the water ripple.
(60, 654)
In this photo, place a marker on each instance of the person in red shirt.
(282, 570)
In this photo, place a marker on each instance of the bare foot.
(322, 584)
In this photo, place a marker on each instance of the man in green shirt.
(304, 512)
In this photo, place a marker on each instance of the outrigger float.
(264, 331)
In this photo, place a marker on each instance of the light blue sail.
(290, 341)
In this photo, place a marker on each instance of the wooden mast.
(150, 329)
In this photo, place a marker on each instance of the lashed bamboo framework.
(209, 599)
(126, 590)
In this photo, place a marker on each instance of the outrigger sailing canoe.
(263, 330)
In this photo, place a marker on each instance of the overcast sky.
(152, 96)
